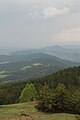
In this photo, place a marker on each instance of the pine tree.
(29, 93)
(44, 99)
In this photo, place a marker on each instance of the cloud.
(38, 8)
(69, 35)
(51, 11)
(17, 26)
(32, 4)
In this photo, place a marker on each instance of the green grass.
(14, 112)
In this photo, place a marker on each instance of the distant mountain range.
(66, 52)
(31, 64)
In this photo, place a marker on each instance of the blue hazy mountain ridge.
(71, 53)
(30, 66)
(28, 59)
(66, 52)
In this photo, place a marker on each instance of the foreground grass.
(27, 111)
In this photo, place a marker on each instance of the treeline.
(10, 92)
(69, 77)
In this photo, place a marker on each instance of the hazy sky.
(39, 23)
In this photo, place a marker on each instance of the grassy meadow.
(27, 111)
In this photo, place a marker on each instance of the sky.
(39, 23)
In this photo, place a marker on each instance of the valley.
(39, 67)
(30, 65)
(39, 59)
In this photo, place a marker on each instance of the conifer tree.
(29, 93)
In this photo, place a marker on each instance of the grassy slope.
(13, 112)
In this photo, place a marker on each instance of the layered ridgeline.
(17, 67)
(69, 77)
(66, 52)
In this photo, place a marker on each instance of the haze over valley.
(35, 63)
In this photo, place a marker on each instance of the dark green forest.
(59, 100)
(10, 92)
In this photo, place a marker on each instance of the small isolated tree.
(29, 93)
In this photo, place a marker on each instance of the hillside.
(27, 111)
(69, 77)
(30, 66)
(65, 52)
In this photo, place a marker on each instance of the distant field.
(3, 76)
(27, 111)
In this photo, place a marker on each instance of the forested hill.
(69, 77)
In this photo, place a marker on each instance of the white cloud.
(69, 35)
(51, 11)
(18, 28)
(32, 3)
(48, 8)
